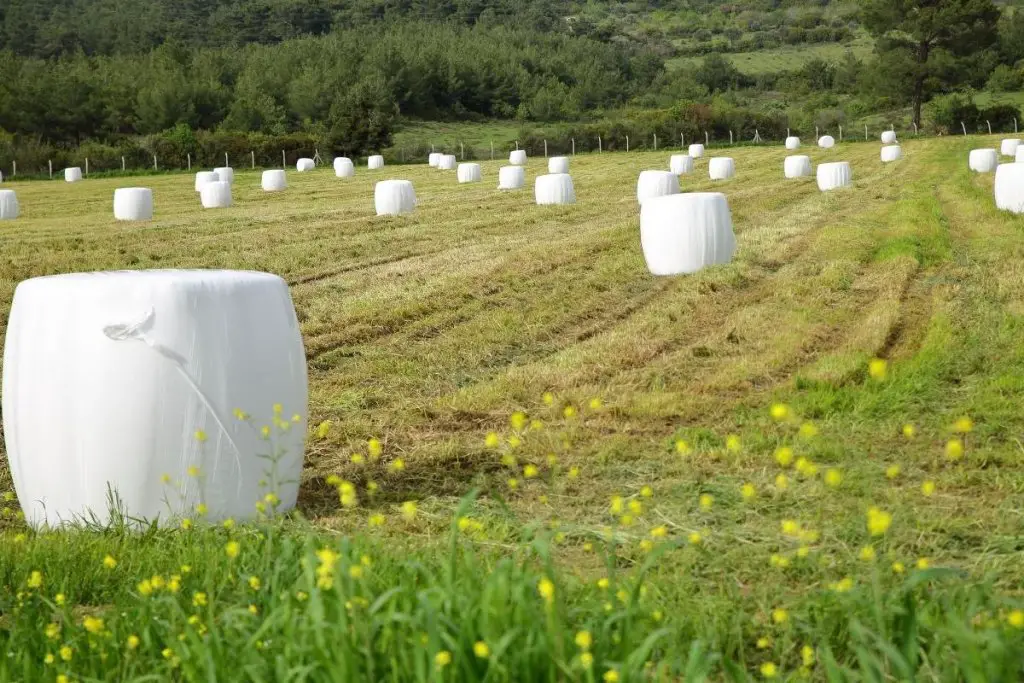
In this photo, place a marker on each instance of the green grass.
(449, 135)
(789, 58)
(430, 331)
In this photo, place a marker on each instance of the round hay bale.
(680, 164)
(797, 166)
(1008, 148)
(826, 142)
(517, 157)
(558, 165)
(696, 151)
(8, 205)
(685, 233)
(216, 195)
(983, 160)
(721, 168)
(834, 176)
(653, 184)
(792, 142)
(889, 137)
(434, 159)
(225, 173)
(136, 364)
(133, 204)
(1009, 188)
(469, 173)
(891, 153)
(1020, 154)
(73, 174)
(394, 197)
(274, 180)
(554, 188)
(344, 168)
(374, 162)
(204, 177)
(511, 177)
(447, 162)
(304, 164)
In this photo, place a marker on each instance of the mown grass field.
(616, 431)
(788, 58)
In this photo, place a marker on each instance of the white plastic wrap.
(447, 162)
(1009, 188)
(133, 204)
(511, 177)
(721, 168)
(684, 233)
(889, 137)
(554, 188)
(434, 159)
(558, 165)
(225, 173)
(216, 195)
(792, 142)
(375, 161)
(344, 168)
(204, 177)
(891, 153)
(826, 142)
(834, 176)
(8, 205)
(696, 151)
(517, 157)
(1009, 146)
(680, 164)
(469, 173)
(303, 165)
(394, 197)
(72, 175)
(274, 180)
(983, 160)
(652, 184)
(108, 377)
(797, 166)
(1020, 154)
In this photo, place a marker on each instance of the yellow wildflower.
(52, 631)
(790, 527)
(659, 532)
(481, 649)
(397, 465)
(513, 483)
(954, 449)
(780, 616)
(186, 524)
(584, 640)
(35, 579)
(909, 431)
(733, 443)
(963, 426)
(636, 507)
(530, 472)
(232, 548)
(201, 510)
(844, 585)
(877, 368)
(586, 660)
(867, 553)
(646, 492)
(1015, 618)
(780, 412)
(66, 653)
(928, 488)
(778, 561)
(782, 482)
(646, 545)
(93, 625)
(355, 572)
(596, 404)
(59, 599)
(109, 562)
(199, 599)
(409, 509)
(301, 596)
(695, 538)
(682, 448)
(748, 491)
(833, 477)
(254, 583)
(878, 521)
(569, 412)
(200, 436)
(706, 501)
(808, 430)
(764, 643)
(617, 505)
(898, 568)
(145, 588)
(574, 472)
(784, 456)
(611, 676)
(132, 642)
(892, 471)
(923, 563)
(376, 519)
(492, 440)
(518, 421)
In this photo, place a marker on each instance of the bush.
(1005, 79)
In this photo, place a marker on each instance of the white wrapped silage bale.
(204, 177)
(558, 165)
(721, 168)
(8, 205)
(434, 159)
(274, 180)
(983, 160)
(680, 164)
(792, 142)
(891, 153)
(72, 175)
(344, 168)
(113, 380)
(225, 173)
(394, 197)
(1009, 188)
(797, 166)
(511, 177)
(834, 176)
(216, 195)
(304, 164)
(684, 233)
(1, 177)
(469, 173)
(517, 157)
(1008, 148)
(652, 184)
(889, 137)
(826, 142)
(554, 188)
(133, 204)
(1020, 154)
(374, 162)
(448, 162)
(696, 151)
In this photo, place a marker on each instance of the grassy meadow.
(543, 464)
